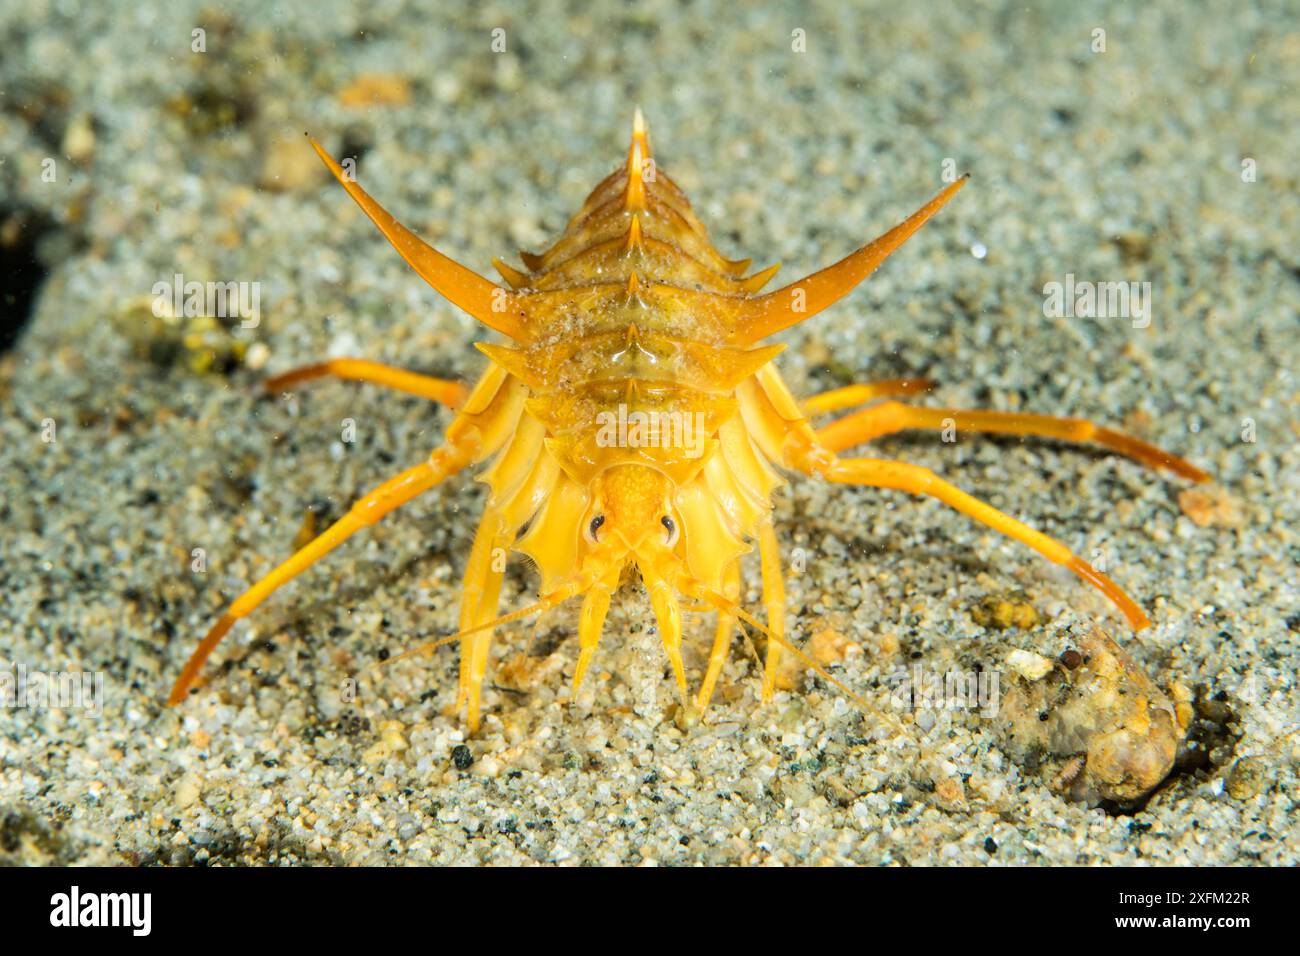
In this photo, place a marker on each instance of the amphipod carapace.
(634, 419)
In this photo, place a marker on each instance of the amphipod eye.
(672, 530)
(592, 528)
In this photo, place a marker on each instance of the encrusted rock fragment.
(1102, 729)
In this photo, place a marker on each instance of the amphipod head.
(631, 516)
(631, 519)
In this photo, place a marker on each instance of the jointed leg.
(890, 417)
(447, 392)
(481, 596)
(769, 550)
(804, 450)
(393, 493)
(722, 638)
(852, 395)
(591, 623)
(878, 473)
(668, 615)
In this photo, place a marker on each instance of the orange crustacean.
(633, 419)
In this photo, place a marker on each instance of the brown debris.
(79, 139)
(1000, 612)
(289, 165)
(306, 531)
(950, 793)
(828, 646)
(1210, 505)
(1103, 730)
(526, 672)
(376, 89)
(1246, 779)
(202, 344)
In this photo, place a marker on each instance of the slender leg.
(803, 450)
(444, 461)
(890, 417)
(877, 473)
(722, 638)
(769, 550)
(852, 395)
(516, 478)
(481, 597)
(591, 623)
(449, 393)
(668, 615)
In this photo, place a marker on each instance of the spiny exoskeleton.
(633, 419)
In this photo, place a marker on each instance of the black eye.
(671, 527)
(592, 528)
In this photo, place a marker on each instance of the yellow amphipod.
(634, 420)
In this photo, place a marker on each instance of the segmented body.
(622, 336)
(635, 422)
(630, 312)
